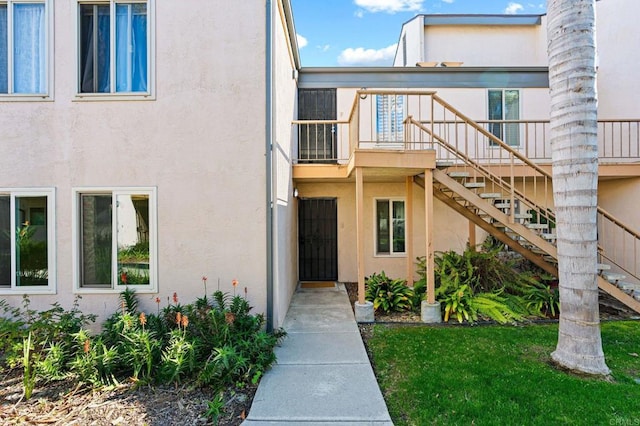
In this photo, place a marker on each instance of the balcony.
(398, 124)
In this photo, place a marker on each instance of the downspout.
(269, 160)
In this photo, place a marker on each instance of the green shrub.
(481, 283)
(215, 341)
(388, 295)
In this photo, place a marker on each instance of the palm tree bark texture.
(574, 145)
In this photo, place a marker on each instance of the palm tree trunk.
(574, 144)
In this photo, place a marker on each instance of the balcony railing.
(322, 141)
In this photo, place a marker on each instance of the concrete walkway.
(323, 375)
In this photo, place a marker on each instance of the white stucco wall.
(285, 274)
(412, 32)
(201, 143)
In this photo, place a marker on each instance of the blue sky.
(365, 32)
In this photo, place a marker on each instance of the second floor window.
(113, 47)
(390, 116)
(504, 105)
(23, 47)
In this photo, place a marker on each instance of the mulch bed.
(68, 403)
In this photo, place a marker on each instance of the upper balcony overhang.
(378, 165)
(420, 78)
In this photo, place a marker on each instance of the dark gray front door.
(318, 239)
(317, 142)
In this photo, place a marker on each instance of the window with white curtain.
(390, 116)
(114, 47)
(24, 37)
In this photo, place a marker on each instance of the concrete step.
(523, 216)
(549, 237)
(488, 195)
(474, 185)
(602, 267)
(612, 277)
(459, 175)
(443, 164)
(628, 286)
(502, 206)
(537, 225)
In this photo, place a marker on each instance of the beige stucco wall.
(490, 45)
(450, 231)
(201, 143)
(618, 39)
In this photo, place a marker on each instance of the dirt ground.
(66, 403)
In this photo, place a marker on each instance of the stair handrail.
(486, 173)
(528, 162)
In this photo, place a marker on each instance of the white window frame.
(504, 125)
(150, 94)
(50, 288)
(48, 60)
(76, 217)
(391, 253)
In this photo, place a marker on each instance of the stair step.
(550, 259)
(474, 185)
(487, 195)
(628, 286)
(459, 175)
(602, 267)
(537, 225)
(502, 205)
(523, 216)
(549, 237)
(443, 164)
(612, 277)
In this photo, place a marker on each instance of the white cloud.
(302, 42)
(448, 1)
(324, 47)
(360, 56)
(390, 6)
(513, 8)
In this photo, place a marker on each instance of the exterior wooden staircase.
(485, 194)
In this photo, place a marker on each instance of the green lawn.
(500, 375)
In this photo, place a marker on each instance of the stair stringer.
(495, 213)
(498, 234)
(618, 293)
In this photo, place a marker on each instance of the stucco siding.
(201, 143)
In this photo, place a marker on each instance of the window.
(27, 241)
(114, 47)
(390, 226)
(24, 38)
(505, 105)
(115, 239)
(390, 117)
